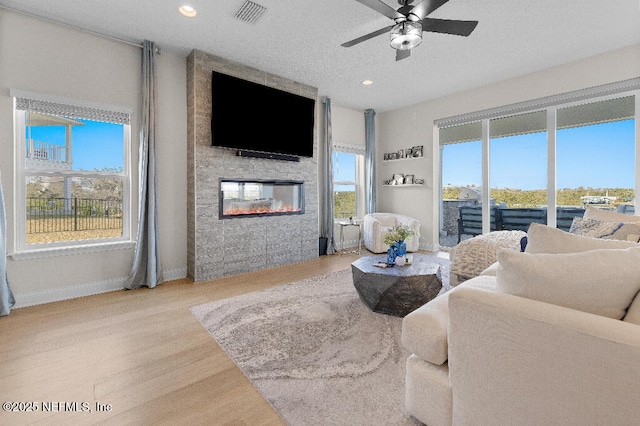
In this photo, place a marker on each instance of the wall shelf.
(403, 159)
(405, 184)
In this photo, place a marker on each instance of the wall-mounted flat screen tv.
(250, 116)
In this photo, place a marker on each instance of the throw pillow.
(607, 230)
(601, 282)
(544, 239)
(608, 215)
(474, 255)
(593, 228)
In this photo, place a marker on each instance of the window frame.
(550, 105)
(359, 152)
(23, 250)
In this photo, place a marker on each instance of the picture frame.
(408, 153)
(408, 179)
(417, 151)
(398, 179)
(400, 153)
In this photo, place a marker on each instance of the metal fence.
(72, 214)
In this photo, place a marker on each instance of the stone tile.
(223, 247)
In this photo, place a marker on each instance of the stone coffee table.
(396, 290)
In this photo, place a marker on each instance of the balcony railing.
(39, 150)
(45, 215)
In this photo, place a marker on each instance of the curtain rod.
(74, 27)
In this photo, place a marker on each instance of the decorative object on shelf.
(405, 153)
(403, 180)
(417, 151)
(395, 240)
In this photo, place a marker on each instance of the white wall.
(43, 57)
(414, 126)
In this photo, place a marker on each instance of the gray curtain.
(369, 160)
(6, 296)
(147, 269)
(326, 224)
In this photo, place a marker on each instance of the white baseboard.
(55, 295)
(89, 289)
(175, 274)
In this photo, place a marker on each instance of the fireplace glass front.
(255, 197)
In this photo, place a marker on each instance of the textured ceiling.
(300, 39)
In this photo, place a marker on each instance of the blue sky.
(597, 156)
(95, 145)
(344, 169)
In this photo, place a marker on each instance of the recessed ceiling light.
(187, 11)
(367, 82)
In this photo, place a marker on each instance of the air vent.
(250, 12)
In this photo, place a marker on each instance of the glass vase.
(391, 256)
(401, 248)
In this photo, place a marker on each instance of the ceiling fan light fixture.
(187, 11)
(406, 35)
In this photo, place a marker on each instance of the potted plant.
(395, 239)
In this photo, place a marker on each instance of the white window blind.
(26, 101)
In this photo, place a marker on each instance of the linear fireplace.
(260, 197)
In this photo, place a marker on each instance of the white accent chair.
(376, 225)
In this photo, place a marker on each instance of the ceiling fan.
(410, 22)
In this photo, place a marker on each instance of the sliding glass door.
(518, 160)
(558, 159)
(595, 154)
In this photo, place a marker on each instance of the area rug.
(315, 352)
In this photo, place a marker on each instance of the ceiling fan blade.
(448, 26)
(367, 36)
(381, 7)
(401, 54)
(424, 8)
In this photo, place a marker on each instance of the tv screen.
(250, 116)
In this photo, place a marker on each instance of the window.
(73, 176)
(560, 156)
(348, 175)
(518, 160)
(596, 158)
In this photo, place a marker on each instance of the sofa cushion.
(424, 331)
(608, 215)
(491, 271)
(606, 230)
(544, 239)
(602, 282)
(633, 312)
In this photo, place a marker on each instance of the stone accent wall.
(218, 248)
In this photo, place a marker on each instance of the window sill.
(69, 251)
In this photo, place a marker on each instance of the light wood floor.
(141, 351)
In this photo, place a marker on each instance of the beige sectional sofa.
(550, 336)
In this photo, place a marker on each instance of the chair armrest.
(514, 358)
(371, 228)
